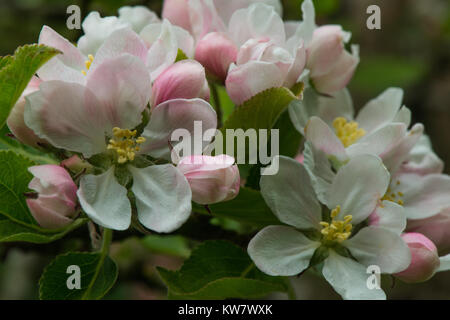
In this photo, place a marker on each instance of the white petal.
(445, 263)
(176, 114)
(121, 41)
(319, 168)
(291, 196)
(381, 110)
(163, 197)
(422, 160)
(96, 30)
(281, 251)
(137, 16)
(349, 278)
(105, 201)
(358, 186)
(390, 216)
(259, 21)
(424, 196)
(339, 105)
(324, 139)
(300, 111)
(163, 46)
(381, 247)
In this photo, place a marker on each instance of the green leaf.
(219, 270)
(181, 56)
(16, 73)
(261, 111)
(290, 138)
(14, 179)
(97, 277)
(248, 208)
(13, 232)
(172, 245)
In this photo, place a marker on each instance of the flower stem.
(291, 292)
(217, 104)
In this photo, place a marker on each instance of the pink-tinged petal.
(381, 110)
(212, 179)
(216, 51)
(326, 47)
(137, 16)
(69, 116)
(177, 12)
(389, 215)
(290, 195)
(204, 18)
(324, 139)
(424, 259)
(122, 85)
(55, 205)
(436, 228)
(105, 201)
(163, 197)
(176, 114)
(340, 75)
(380, 247)
(163, 47)
(423, 196)
(281, 251)
(296, 68)
(122, 41)
(358, 187)
(290, 27)
(183, 80)
(259, 21)
(16, 121)
(66, 66)
(247, 80)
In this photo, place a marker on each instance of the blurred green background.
(412, 51)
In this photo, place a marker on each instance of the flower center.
(347, 132)
(393, 196)
(88, 63)
(337, 230)
(125, 144)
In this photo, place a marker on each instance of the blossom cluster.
(365, 189)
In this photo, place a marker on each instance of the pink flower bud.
(55, 205)
(330, 65)
(424, 259)
(216, 51)
(177, 12)
(436, 228)
(212, 179)
(183, 80)
(16, 121)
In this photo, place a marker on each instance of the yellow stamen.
(125, 144)
(347, 132)
(337, 230)
(88, 64)
(393, 197)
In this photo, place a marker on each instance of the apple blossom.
(424, 259)
(185, 79)
(212, 179)
(99, 118)
(55, 205)
(286, 251)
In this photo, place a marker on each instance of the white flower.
(355, 192)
